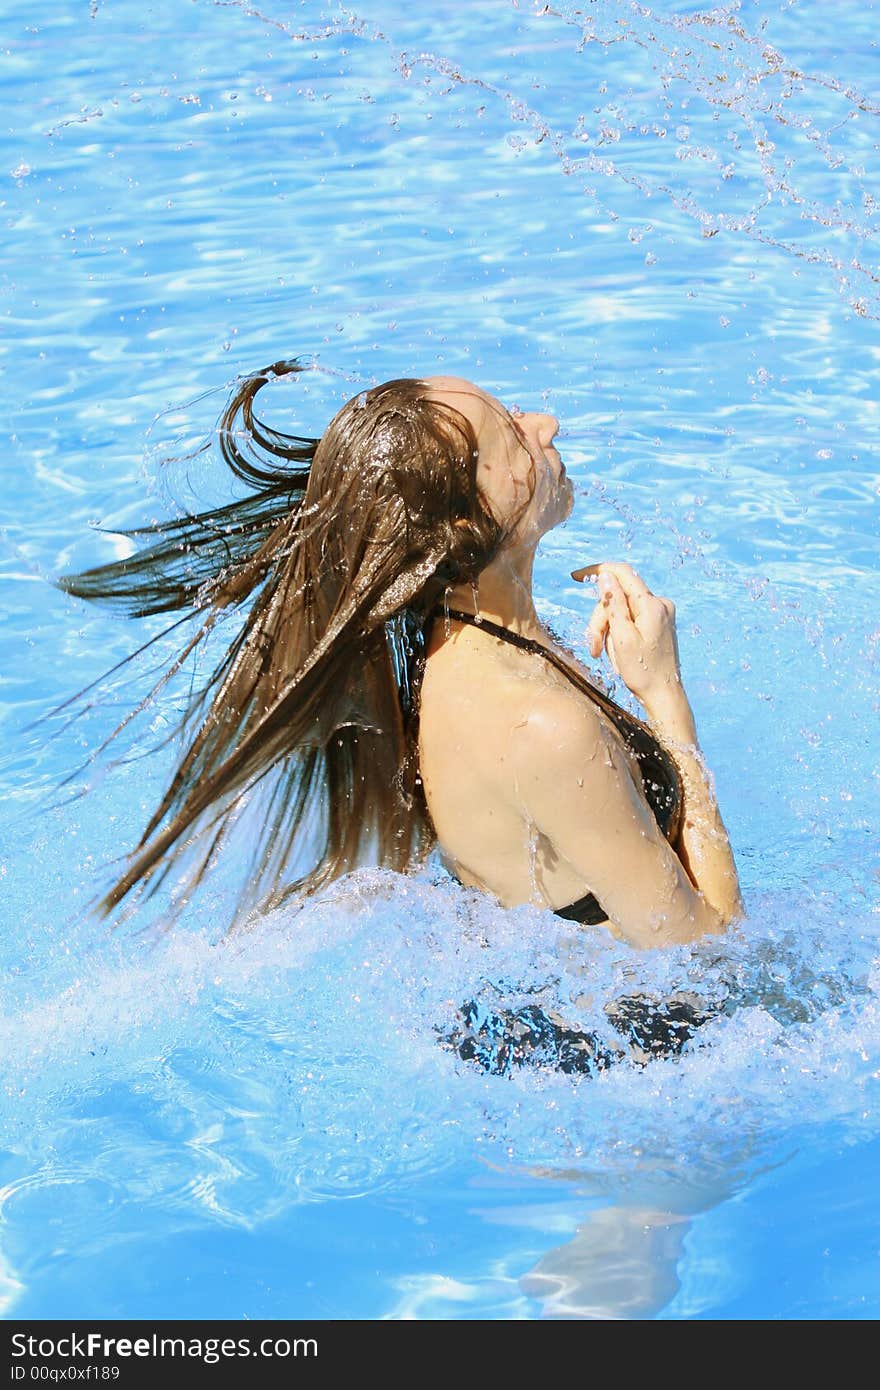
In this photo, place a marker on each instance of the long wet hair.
(334, 559)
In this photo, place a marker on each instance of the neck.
(502, 593)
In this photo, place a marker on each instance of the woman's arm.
(703, 845)
(576, 785)
(638, 631)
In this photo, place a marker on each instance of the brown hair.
(336, 559)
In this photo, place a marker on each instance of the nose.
(545, 427)
(549, 428)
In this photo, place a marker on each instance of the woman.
(367, 708)
(533, 791)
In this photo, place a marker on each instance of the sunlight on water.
(661, 224)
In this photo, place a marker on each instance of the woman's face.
(516, 450)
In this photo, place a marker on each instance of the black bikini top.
(660, 776)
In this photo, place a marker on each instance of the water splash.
(753, 89)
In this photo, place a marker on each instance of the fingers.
(630, 582)
(613, 598)
(582, 574)
(612, 608)
(624, 597)
(596, 629)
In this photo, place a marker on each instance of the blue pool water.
(659, 222)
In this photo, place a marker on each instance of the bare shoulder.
(561, 728)
(576, 784)
(498, 701)
(564, 752)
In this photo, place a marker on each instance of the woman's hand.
(637, 629)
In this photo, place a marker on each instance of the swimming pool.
(657, 222)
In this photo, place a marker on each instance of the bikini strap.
(530, 645)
